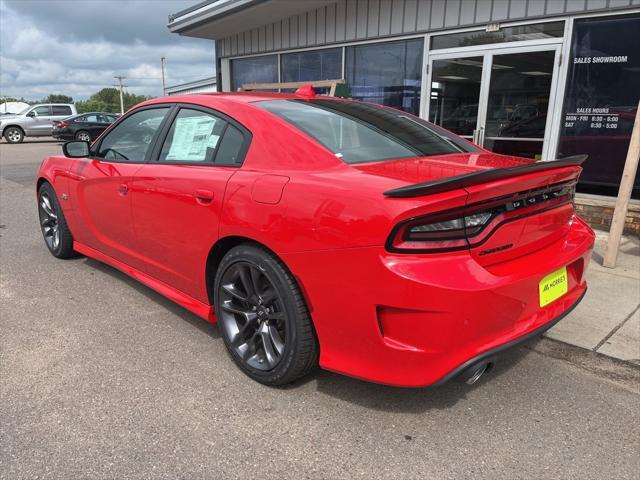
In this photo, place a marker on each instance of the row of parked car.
(62, 121)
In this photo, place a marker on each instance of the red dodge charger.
(325, 231)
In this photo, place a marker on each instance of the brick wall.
(598, 213)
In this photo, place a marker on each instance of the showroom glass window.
(325, 64)
(601, 99)
(388, 73)
(254, 70)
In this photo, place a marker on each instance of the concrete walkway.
(608, 319)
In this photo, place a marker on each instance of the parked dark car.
(85, 126)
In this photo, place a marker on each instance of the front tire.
(14, 135)
(263, 318)
(53, 225)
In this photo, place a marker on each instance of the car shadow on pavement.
(411, 400)
(365, 394)
(162, 301)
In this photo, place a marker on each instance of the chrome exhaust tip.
(477, 373)
(472, 374)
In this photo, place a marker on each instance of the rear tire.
(263, 318)
(53, 225)
(14, 135)
(83, 135)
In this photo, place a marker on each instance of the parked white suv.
(34, 121)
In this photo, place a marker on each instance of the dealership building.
(542, 79)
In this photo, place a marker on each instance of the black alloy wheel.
(252, 315)
(53, 224)
(263, 317)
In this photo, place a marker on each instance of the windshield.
(359, 132)
(23, 111)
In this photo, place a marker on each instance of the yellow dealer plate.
(553, 286)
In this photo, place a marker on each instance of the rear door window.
(193, 138)
(230, 149)
(59, 110)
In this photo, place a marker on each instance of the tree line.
(106, 100)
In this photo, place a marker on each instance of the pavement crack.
(615, 329)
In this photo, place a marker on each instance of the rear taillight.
(62, 124)
(466, 227)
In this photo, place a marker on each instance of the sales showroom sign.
(602, 93)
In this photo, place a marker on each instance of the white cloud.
(36, 61)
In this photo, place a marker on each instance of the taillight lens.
(62, 124)
(463, 228)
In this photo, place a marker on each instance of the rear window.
(358, 132)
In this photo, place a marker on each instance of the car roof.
(232, 97)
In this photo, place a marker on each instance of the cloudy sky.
(75, 47)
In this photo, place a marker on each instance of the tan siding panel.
(424, 14)
(321, 25)
(452, 13)
(331, 23)
(410, 16)
(517, 8)
(437, 14)
(341, 15)
(468, 12)
(397, 16)
(351, 19)
(536, 8)
(373, 17)
(500, 10)
(385, 17)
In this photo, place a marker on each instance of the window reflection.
(388, 73)
(455, 93)
(254, 70)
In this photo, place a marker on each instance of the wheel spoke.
(245, 278)
(231, 289)
(269, 352)
(255, 280)
(46, 206)
(247, 314)
(269, 296)
(276, 339)
(276, 316)
(240, 338)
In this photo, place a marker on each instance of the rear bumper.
(512, 344)
(417, 320)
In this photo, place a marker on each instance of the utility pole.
(164, 86)
(120, 78)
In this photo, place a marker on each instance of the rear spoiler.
(483, 176)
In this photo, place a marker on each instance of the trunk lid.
(530, 203)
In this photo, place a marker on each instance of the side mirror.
(76, 149)
(32, 113)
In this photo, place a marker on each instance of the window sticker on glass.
(192, 136)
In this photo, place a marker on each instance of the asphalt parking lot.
(103, 378)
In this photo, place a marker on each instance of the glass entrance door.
(499, 99)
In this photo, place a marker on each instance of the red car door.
(100, 186)
(177, 197)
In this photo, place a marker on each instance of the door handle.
(123, 189)
(204, 197)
